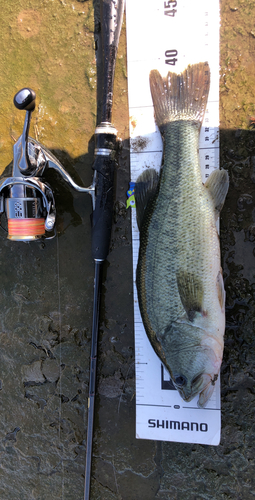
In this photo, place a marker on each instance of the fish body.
(179, 277)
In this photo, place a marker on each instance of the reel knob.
(25, 99)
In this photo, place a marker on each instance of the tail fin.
(180, 97)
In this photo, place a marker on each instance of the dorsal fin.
(217, 185)
(145, 188)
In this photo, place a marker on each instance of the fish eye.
(180, 380)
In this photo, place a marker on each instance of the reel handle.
(24, 100)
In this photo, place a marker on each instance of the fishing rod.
(111, 15)
(27, 204)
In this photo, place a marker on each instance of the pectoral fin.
(217, 185)
(145, 188)
(191, 293)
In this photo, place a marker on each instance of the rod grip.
(102, 213)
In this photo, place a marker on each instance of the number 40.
(171, 57)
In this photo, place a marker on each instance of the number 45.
(170, 5)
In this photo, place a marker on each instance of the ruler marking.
(168, 38)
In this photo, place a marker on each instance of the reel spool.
(24, 210)
(29, 208)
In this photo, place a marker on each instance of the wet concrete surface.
(47, 288)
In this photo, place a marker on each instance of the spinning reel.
(26, 200)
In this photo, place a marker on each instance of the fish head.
(194, 361)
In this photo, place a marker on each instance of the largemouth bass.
(179, 277)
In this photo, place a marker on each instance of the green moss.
(48, 46)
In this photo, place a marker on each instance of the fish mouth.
(204, 388)
(188, 397)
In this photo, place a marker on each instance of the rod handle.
(102, 213)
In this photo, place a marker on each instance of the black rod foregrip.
(102, 213)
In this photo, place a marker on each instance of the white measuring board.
(167, 36)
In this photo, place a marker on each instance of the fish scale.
(179, 279)
(182, 223)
